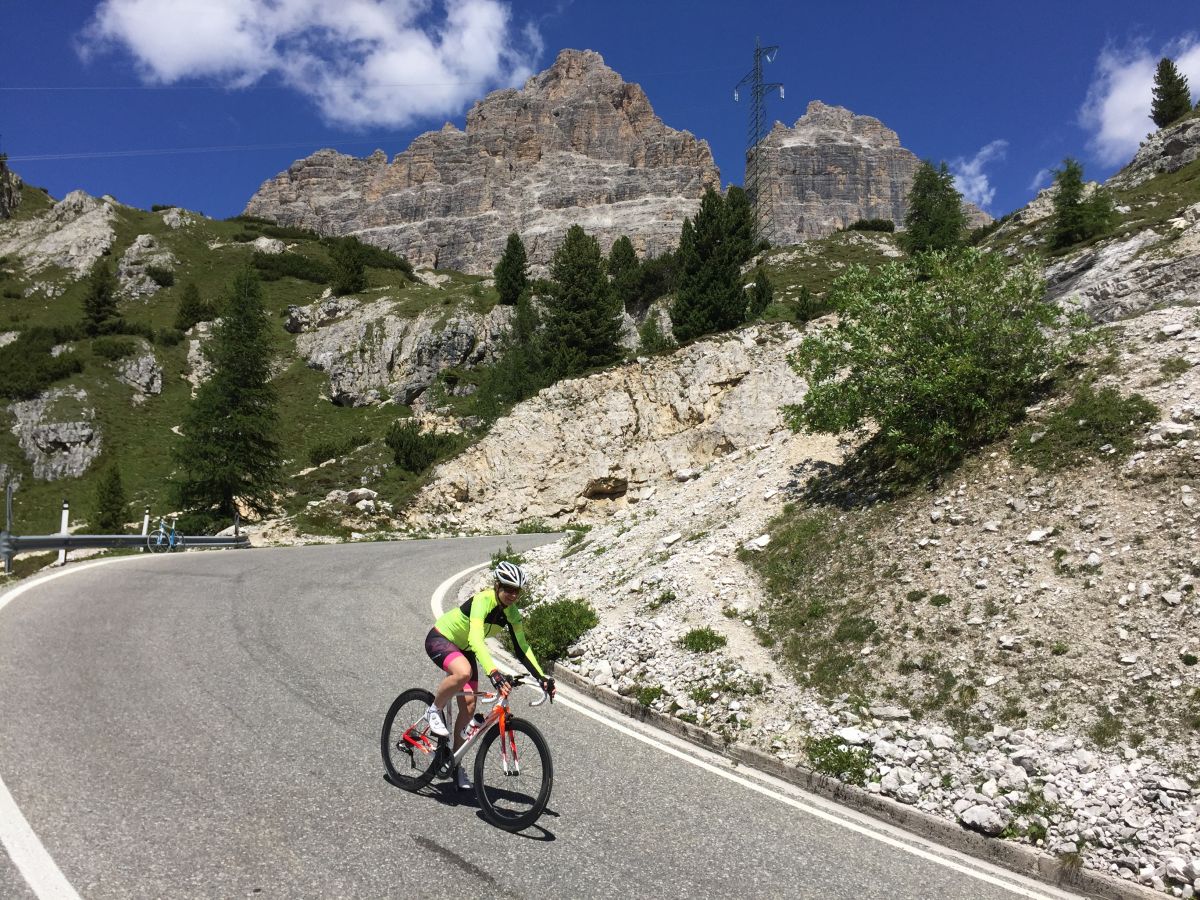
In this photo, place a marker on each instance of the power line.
(165, 151)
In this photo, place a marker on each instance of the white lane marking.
(28, 854)
(780, 790)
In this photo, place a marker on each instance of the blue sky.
(93, 93)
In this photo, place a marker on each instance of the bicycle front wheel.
(513, 775)
(410, 753)
(157, 542)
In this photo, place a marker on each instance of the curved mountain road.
(207, 725)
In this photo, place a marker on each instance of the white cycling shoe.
(436, 726)
(464, 780)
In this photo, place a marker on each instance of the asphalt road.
(207, 725)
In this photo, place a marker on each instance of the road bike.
(513, 770)
(163, 539)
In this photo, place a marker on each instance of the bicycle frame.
(497, 716)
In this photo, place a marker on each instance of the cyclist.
(456, 644)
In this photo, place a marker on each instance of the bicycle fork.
(508, 751)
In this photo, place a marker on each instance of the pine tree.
(512, 271)
(110, 502)
(1076, 219)
(229, 453)
(1172, 99)
(349, 266)
(935, 219)
(583, 318)
(713, 245)
(625, 272)
(100, 301)
(761, 294)
(192, 308)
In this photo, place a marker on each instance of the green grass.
(1073, 434)
(830, 756)
(702, 640)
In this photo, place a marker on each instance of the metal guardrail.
(12, 544)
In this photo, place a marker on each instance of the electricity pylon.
(760, 199)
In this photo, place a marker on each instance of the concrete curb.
(1019, 858)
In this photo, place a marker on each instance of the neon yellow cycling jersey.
(482, 617)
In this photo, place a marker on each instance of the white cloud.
(1117, 109)
(969, 177)
(362, 62)
(1042, 179)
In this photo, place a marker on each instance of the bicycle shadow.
(447, 793)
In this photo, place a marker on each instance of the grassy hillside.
(141, 437)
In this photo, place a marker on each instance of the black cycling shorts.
(442, 650)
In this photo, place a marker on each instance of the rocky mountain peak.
(576, 145)
(833, 167)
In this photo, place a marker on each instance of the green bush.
(702, 640)
(415, 451)
(872, 225)
(26, 366)
(168, 337)
(831, 757)
(273, 266)
(942, 354)
(1075, 433)
(160, 275)
(378, 258)
(535, 526)
(334, 448)
(647, 694)
(554, 626)
(113, 348)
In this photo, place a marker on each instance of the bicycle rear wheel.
(513, 775)
(177, 541)
(410, 753)
(157, 542)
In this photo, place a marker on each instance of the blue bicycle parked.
(163, 539)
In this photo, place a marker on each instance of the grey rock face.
(142, 373)
(10, 191)
(57, 433)
(1167, 150)
(833, 167)
(576, 145)
(366, 349)
(72, 235)
(144, 252)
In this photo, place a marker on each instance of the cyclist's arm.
(481, 604)
(521, 645)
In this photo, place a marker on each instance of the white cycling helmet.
(510, 575)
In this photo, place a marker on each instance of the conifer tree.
(761, 294)
(1172, 99)
(935, 219)
(625, 271)
(1076, 219)
(192, 308)
(713, 245)
(110, 502)
(100, 301)
(512, 271)
(229, 453)
(583, 318)
(349, 266)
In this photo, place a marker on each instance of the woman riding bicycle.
(456, 644)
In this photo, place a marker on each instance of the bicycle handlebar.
(517, 681)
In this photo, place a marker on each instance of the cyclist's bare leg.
(458, 674)
(466, 709)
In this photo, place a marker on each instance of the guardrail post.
(66, 509)
(237, 521)
(6, 546)
(145, 526)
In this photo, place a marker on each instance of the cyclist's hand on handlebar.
(547, 685)
(503, 683)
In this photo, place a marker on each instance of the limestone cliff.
(10, 189)
(576, 145)
(833, 167)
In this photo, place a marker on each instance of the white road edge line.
(27, 852)
(784, 792)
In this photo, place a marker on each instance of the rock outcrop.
(133, 270)
(57, 433)
(76, 232)
(142, 373)
(576, 145)
(368, 350)
(833, 167)
(585, 448)
(1167, 150)
(10, 189)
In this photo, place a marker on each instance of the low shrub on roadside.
(702, 640)
(554, 626)
(831, 757)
